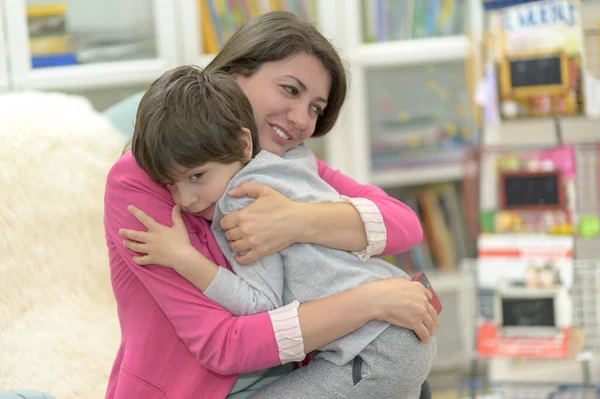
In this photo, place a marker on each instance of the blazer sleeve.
(386, 219)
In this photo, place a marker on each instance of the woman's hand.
(405, 303)
(267, 225)
(162, 245)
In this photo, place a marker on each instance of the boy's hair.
(278, 35)
(188, 117)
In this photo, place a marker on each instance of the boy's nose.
(188, 201)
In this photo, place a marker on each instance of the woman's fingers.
(234, 234)
(230, 221)
(429, 322)
(239, 245)
(422, 332)
(248, 257)
(133, 235)
(435, 317)
(141, 216)
(250, 189)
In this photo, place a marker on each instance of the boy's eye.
(291, 89)
(196, 176)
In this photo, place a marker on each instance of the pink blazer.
(175, 342)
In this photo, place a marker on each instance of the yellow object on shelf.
(43, 45)
(46, 10)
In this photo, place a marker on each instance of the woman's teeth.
(280, 133)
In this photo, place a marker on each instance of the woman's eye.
(317, 109)
(291, 89)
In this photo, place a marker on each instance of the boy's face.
(197, 190)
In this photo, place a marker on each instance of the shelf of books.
(421, 175)
(446, 239)
(402, 52)
(217, 20)
(81, 45)
(3, 56)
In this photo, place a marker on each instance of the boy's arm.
(258, 289)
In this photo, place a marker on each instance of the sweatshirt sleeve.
(220, 341)
(391, 226)
(255, 287)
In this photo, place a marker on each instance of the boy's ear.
(247, 142)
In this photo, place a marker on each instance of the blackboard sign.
(531, 191)
(528, 312)
(533, 74)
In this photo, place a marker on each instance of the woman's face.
(287, 97)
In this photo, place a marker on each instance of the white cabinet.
(114, 43)
(3, 51)
(405, 63)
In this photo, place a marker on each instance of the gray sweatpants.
(394, 365)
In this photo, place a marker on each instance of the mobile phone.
(434, 301)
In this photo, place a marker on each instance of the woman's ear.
(247, 143)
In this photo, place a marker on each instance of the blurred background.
(434, 85)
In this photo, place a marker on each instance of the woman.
(175, 342)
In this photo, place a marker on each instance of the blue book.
(50, 60)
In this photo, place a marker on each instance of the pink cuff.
(288, 334)
(374, 226)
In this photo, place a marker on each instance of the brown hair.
(189, 117)
(276, 36)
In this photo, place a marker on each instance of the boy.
(214, 148)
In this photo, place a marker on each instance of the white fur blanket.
(58, 322)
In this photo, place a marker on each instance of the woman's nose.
(299, 117)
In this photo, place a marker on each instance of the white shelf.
(86, 76)
(406, 176)
(446, 282)
(405, 52)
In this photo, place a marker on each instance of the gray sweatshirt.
(302, 272)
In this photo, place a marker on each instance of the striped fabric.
(374, 226)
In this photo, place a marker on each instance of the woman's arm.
(361, 222)
(401, 228)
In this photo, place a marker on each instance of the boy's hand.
(161, 245)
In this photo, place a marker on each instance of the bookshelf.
(370, 58)
(4, 86)
(112, 46)
(397, 66)
(402, 52)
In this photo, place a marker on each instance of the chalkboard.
(531, 190)
(536, 72)
(528, 312)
